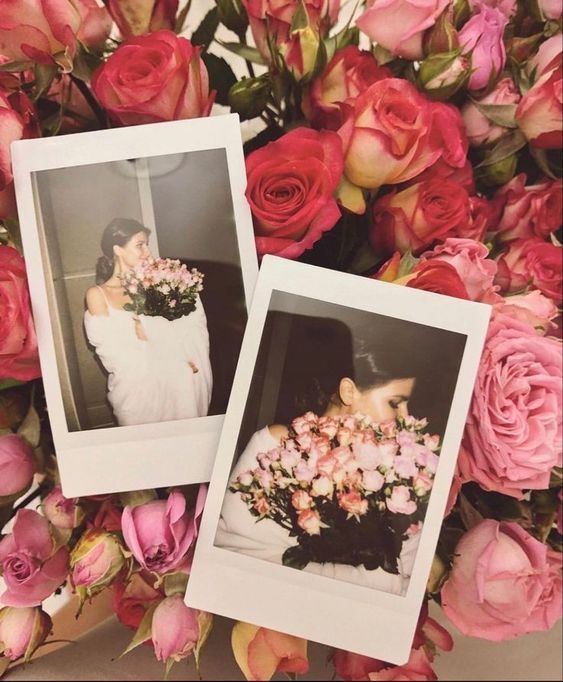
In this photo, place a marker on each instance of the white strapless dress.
(152, 381)
(239, 531)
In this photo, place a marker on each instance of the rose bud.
(155, 77)
(62, 512)
(442, 37)
(260, 652)
(133, 18)
(177, 629)
(249, 96)
(95, 25)
(482, 37)
(95, 562)
(300, 52)
(22, 631)
(442, 75)
(16, 465)
(481, 128)
(233, 15)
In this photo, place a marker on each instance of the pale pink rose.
(404, 466)
(399, 25)
(547, 56)
(470, 259)
(265, 478)
(95, 25)
(527, 210)
(344, 436)
(479, 128)
(289, 458)
(175, 629)
(262, 506)
(62, 512)
(502, 583)
(22, 631)
(33, 30)
(507, 7)
(16, 465)
(95, 562)
(31, 565)
(160, 533)
(245, 478)
(309, 521)
(550, 9)
(532, 308)
(301, 425)
(353, 503)
(541, 108)
(322, 486)
(301, 500)
(512, 436)
(372, 480)
(400, 501)
(422, 483)
(303, 472)
(482, 36)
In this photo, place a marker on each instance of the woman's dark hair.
(117, 233)
(322, 351)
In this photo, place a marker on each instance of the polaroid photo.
(141, 262)
(336, 457)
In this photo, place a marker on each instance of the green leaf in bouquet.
(550, 164)
(205, 622)
(501, 114)
(85, 63)
(249, 96)
(407, 264)
(245, 51)
(181, 18)
(10, 383)
(44, 76)
(175, 583)
(143, 633)
(205, 32)
(296, 557)
(506, 146)
(221, 76)
(12, 227)
(438, 574)
(232, 14)
(30, 428)
(300, 18)
(15, 66)
(135, 498)
(365, 259)
(382, 55)
(469, 514)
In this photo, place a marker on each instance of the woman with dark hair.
(158, 370)
(334, 371)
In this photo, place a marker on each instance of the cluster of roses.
(338, 469)
(162, 286)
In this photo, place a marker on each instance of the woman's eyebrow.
(401, 396)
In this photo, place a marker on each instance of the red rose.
(291, 185)
(18, 344)
(131, 600)
(349, 73)
(133, 18)
(419, 215)
(439, 277)
(448, 134)
(156, 77)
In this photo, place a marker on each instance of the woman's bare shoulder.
(95, 301)
(278, 431)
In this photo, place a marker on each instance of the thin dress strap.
(105, 297)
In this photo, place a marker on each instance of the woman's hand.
(139, 329)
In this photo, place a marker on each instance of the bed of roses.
(417, 143)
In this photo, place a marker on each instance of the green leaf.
(16, 66)
(205, 32)
(300, 18)
(181, 18)
(382, 55)
(10, 383)
(205, 622)
(221, 76)
(348, 36)
(469, 515)
(143, 633)
(244, 51)
(407, 264)
(85, 63)
(175, 583)
(552, 168)
(501, 114)
(30, 428)
(296, 557)
(508, 145)
(44, 76)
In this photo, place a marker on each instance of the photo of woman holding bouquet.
(146, 322)
(341, 488)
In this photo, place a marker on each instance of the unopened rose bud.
(519, 49)
(498, 173)
(300, 54)
(22, 631)
(233, 15)
(461, 12)
(95, 562)
(442, 37)
(249, 96)
(441, 75)
(62, 512)
(176, 629)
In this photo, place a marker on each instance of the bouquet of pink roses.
(350, 490)
(162, 287)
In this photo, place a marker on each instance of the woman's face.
(135, 251)
(383, 402)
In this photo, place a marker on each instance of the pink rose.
(22, 631)
(260, 652)
(448, 135)
(322, 486)
(132, 599)
(16, 465)
(372, 480)
(175, 629)
(290, 189)
(422, 483)
(507, 7)
(550, 9)
(135, 17)
(60, 511)
(18, 343)
(479, 128)
(482, 36)
(160, 533)
(347, 75)
(546, 58)
(95, 25)
(353, 503)
(95, 562)
(39, 32)
(387, 138)
(400, 501)
(301, 500)
(512, 436)
(155, 77)
(541, 108)
(502, 583)
(399, 25)
(532, 308)
(31, 565)
(470, 259)
(527, 210)
(309, 521)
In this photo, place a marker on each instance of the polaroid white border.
(331, 612)
(150, 455)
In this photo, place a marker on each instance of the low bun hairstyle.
(117, 233)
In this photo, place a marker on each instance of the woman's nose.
(403, 410)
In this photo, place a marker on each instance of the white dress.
(239, 531)
(150, 380)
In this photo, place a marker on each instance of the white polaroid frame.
(150, 455)
(300, 603)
